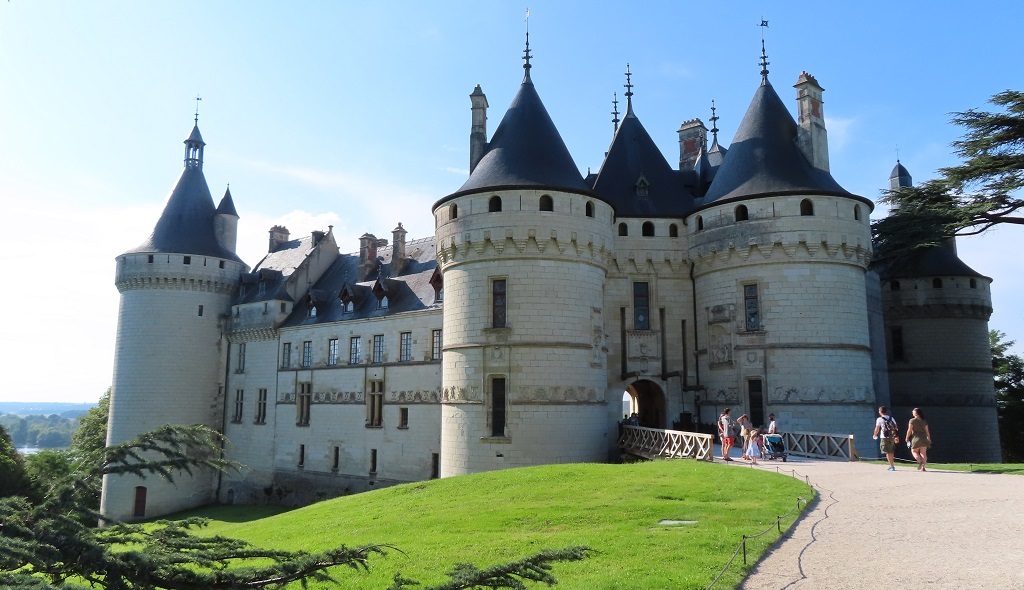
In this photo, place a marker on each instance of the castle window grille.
(378, 348)
(405, 347)
(332, 351)
(286, 355)
(498, 406)
(498, 303)
(240, 367)
(354, 345)
(239, 399)
(435, 344)
(261, 407)
(307, 353)
(375, 405)
(641, 306)
(302, 404)
(403, 417)
(751, 308)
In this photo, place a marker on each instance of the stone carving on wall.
(725, 395)
(455, 394)
(799, 395)
(556, 394)
(720, 314)
(415, 397)
(719, 346)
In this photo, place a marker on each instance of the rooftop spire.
(629, 91)
(615, 110)
(714, 123)
(526, 52)
(764, 56)
(198, 98)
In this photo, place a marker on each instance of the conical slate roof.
(227, 204)
(764, 158)
(900, 177)
(937, 261)
(526, 151)
(632, 159)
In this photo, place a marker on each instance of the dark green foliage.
(51, 432)
(51, 543)
(91, 435)
(1009, 372)
(966, 199)
(14, 481)
(510, 575)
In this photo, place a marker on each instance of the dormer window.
(641, 187)
(350, 307)
(311, 312)
(383, 302)
(437, 282)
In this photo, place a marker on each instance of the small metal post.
(744, 550)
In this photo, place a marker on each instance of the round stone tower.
(523, 247)
(936, 311)
(780, 251)
(176, 290)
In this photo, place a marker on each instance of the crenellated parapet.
(177, 272)
(526, 243)
(791, 247)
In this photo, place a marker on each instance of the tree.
(91, 435)
(14, 481)
(48, 544)
(966, 199)
(1009, 374)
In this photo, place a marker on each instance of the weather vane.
(615, 110)
(714, 121)
(526, 53)
(198, 98)
(764, 56)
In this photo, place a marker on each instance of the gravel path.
(872, 528)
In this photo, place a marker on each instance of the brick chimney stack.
(811, 136)
(398, 257)
(478, 132)
(693, 137)
(278, 235)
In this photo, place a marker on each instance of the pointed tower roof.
(764, 158)
(227, 204)
(937, 261)
(186, 224)
(635, 177)
(900, 177)
(526, 151)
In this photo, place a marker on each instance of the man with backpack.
(889, 430)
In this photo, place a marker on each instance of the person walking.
(725, 427)
(889, 431)
(919, 438)
(746, 427)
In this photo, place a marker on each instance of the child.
(754, 446)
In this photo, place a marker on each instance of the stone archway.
(649, 401)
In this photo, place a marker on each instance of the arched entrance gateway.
(648, 400)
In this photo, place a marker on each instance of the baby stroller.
(774, 447)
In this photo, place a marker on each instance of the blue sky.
(357, 116)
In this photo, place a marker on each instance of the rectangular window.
(239, 397)
(353, 350)
(332, 351)
(336, 462)
(375, 405)
(187, 260)
(641, 306)
(435, 465)
(302, 403)
(373, 460)
(240, 366)
(498, 303)
(405, 347)
(286, 355)
(378, 348)
(751, 308)
(755, 399)
(896, 333)
(498, 406)
(435, 345)
(307, 353)
(403, 417)
(302, 455)
(200, 311)
(261, 407)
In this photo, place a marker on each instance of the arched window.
(590, 208)
(856, 212)
(454, 210)
(673, 231)
(350, 307)
(547, 203)
(894, 286)
(494, 205)
(648, 229)
(936, 283)
(974, 284)
(700, 223)
(806, 208)
(741, 213)
(623, 229)
(383, 303)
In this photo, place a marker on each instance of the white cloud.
(840, 131)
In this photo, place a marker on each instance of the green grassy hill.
(502, 516)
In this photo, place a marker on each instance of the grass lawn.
(1012, 468)
(503, 516)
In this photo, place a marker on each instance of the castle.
(511, 337)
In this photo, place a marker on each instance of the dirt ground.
(872, 528)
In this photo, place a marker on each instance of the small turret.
(811, 137)
(478, 132)
(225, 222)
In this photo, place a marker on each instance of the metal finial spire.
(714, 122)
(526, 52)
(615, 110)
(897, 153)
(198, 98)
(629, 91)
(764, 56)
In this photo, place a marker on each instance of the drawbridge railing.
(820, 445)
(653, 443)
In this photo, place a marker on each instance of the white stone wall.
(168, 366)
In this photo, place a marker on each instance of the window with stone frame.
(239, 399)
(261, 407)
(332, 351)
(302, 456)
(240, 364)
(435, 344)
(378, 348)
(499, 303)
(375, 405)
(498, 406)
(403, 417)
(405, 347)
(303, 401)
(286, 355)
(307, 353)
(751, 309)
(354, 350)
(641, 306)
(336, 462)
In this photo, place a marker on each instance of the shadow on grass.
(232, 514)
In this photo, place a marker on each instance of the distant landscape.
(41, 425)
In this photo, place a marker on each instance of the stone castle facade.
(740, 278)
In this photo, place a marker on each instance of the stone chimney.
(368, 244)
(811, 136)
(398, 258)
(278, 235)
(693, 137)
(478, 131)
